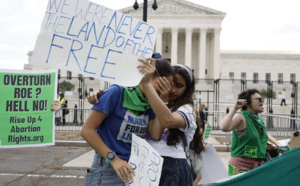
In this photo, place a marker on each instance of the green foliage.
(269, 93)
(65, 86)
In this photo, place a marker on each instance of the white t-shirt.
(177, 152)
(283, 94)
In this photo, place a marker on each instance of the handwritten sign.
(207, 131)
(146, 162)
(25, 102)
(88, 38)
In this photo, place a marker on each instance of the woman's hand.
(240, 103)
(147, 68)
(164, 87)
(55, 106)
(123, 169)
(93, 98)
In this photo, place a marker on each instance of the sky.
(259, 25)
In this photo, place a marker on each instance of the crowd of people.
(163, 100)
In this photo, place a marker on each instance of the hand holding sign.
(146, 162)
(123, 169)
(91, 39)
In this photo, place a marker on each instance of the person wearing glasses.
(249, 136)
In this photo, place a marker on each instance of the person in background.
(249, 136)
(108, 128)
(195, 101)
(64, 104)
(203, 116)
(283, 98)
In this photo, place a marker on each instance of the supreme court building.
(189, 34)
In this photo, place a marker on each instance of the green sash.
(134, 101)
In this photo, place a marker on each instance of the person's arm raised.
(166, 118)
(232, 121)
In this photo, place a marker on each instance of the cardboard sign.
(146, 162)
(25, 115)
(88, 38)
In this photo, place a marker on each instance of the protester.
(173, 127)
(203, 116)
(64, 104)
(174, 154)
(249, 136)
(283, 98)
(107, 129)
(195, 101)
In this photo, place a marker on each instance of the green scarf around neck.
(134, 100)
(253, 116)
(257, 121)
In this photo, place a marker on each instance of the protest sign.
(93, 40)
(207, 131)
(146, 162)
(213, 167)
(25, 103)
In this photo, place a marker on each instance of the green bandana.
(257, 121)
(134, 101)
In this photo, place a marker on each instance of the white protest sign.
(88, 38)
(213, 167)
(146, 162)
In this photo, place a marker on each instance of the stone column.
(174, 47)
(159, 40)
(202, 53)
(188, 47)
(216, 53)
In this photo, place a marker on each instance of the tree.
(65, 86)
(269, 93)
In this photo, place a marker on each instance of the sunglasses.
(260, 99)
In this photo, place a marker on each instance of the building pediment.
(173, 7)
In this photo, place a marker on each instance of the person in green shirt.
(249, 136)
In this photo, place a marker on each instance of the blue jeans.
(102, 174)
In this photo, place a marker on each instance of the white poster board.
(213, 167)
(146, 162)
(90, 39)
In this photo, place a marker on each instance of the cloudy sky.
(269, 25)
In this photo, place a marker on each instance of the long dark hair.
(197, 144)
(175, 135)
(163, 68)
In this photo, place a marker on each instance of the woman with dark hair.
(249, 136)
(106, 128)
(173, 126)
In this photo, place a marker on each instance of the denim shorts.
(102, 174)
